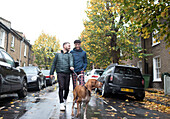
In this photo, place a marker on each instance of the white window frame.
(13, 42)
(155, 68)
(2, 38)
(154, 39)
(139, 65)
(25, 50)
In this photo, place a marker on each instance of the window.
(2, 38)
(155, 40)
(156, 69)
(13, 42)
(139, 65)
(25, 51)
(127, 71)
(8, 59)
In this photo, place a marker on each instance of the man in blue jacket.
(80, 62)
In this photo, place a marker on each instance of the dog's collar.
(87, 89)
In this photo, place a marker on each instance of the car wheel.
(140, 96)
(104, 92)
(23, 92)
(38, 85)
(50, 82)
(45, 83)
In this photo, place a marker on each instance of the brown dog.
(83, 94)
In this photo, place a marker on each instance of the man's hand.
(72, 68)
(51, 76)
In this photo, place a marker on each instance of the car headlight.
(34, 78)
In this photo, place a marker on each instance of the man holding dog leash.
(80, 63)
(63, 64)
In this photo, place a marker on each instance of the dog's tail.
(78, 78)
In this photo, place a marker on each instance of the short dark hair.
(77, 41)
(65, 43)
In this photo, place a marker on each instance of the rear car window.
(128, 71)
(46, 72)
(97, 72)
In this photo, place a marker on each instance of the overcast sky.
(60, 18)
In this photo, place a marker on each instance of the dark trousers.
(64, 82)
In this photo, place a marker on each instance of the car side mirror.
(16, 64)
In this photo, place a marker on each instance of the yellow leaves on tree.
(44, 50)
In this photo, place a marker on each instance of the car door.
(4, 72)
(13, 77)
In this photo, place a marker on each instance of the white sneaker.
(62, 108)
(75, 105)
(65, 102)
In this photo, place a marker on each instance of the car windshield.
(128, 71)
(30, 70)
(46, 72)
(97, 72)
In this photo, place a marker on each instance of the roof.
(115, 64)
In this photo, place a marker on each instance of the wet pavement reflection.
(44, 104)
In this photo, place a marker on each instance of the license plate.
(127, 90)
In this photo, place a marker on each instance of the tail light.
(47, 76)
(111, 78)
(94, 76)
(143, 82)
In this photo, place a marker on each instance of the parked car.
(35, 77)
(94, 74)
(47, 76)
(12, 78)
(122, 79)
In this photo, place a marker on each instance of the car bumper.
(48, 81)
(125, 89)
(31, 85)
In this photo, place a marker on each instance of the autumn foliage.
(44, 50)
(114, 28)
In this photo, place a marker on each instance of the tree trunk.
(115, 54)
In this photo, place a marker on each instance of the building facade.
(155, 65)
(16, 44)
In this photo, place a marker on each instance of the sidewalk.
(155, 99)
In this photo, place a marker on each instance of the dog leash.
(77, 75)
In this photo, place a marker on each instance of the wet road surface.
(45, 105)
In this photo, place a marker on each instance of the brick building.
(156, 64)
(15, 44)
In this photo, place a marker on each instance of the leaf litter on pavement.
(157, 101)
(152, 101)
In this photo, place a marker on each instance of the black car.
(12, 78)
(122, 79)
(36, 79)
(47, 76)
